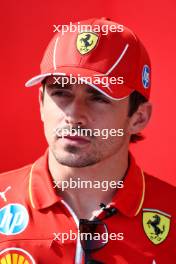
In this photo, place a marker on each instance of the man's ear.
(41, 102)
(139, 120)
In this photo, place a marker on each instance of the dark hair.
(135, 100)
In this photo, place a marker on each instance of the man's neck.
(85, 200)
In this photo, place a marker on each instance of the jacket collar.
(128, 200)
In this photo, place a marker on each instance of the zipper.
(79, 250)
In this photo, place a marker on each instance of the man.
(86, 200)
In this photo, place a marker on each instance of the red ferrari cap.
(91, 53)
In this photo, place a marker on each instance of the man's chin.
(75, 160)
(73, 156)
(75, 163)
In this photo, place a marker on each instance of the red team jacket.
(31, 214)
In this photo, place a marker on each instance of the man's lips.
(77, 139)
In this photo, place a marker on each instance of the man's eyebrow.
(88, 90)
(58, 86)
(93, 91)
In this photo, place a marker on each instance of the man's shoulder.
(15, 177)
(14, 186)
(159, 194)
(158, 184)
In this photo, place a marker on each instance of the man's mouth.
(76, 139)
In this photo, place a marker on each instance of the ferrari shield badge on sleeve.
(156, 225)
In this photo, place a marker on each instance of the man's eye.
(99, 98)
(61, 93)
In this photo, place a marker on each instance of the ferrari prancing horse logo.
(156, 225)
(86, 41)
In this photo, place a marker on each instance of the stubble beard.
(76, 157)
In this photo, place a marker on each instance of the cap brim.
(39, 78)
(119, 93)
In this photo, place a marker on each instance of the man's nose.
(76, 113)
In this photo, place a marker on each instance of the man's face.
(81, 106)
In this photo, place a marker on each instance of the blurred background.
(26, 28)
